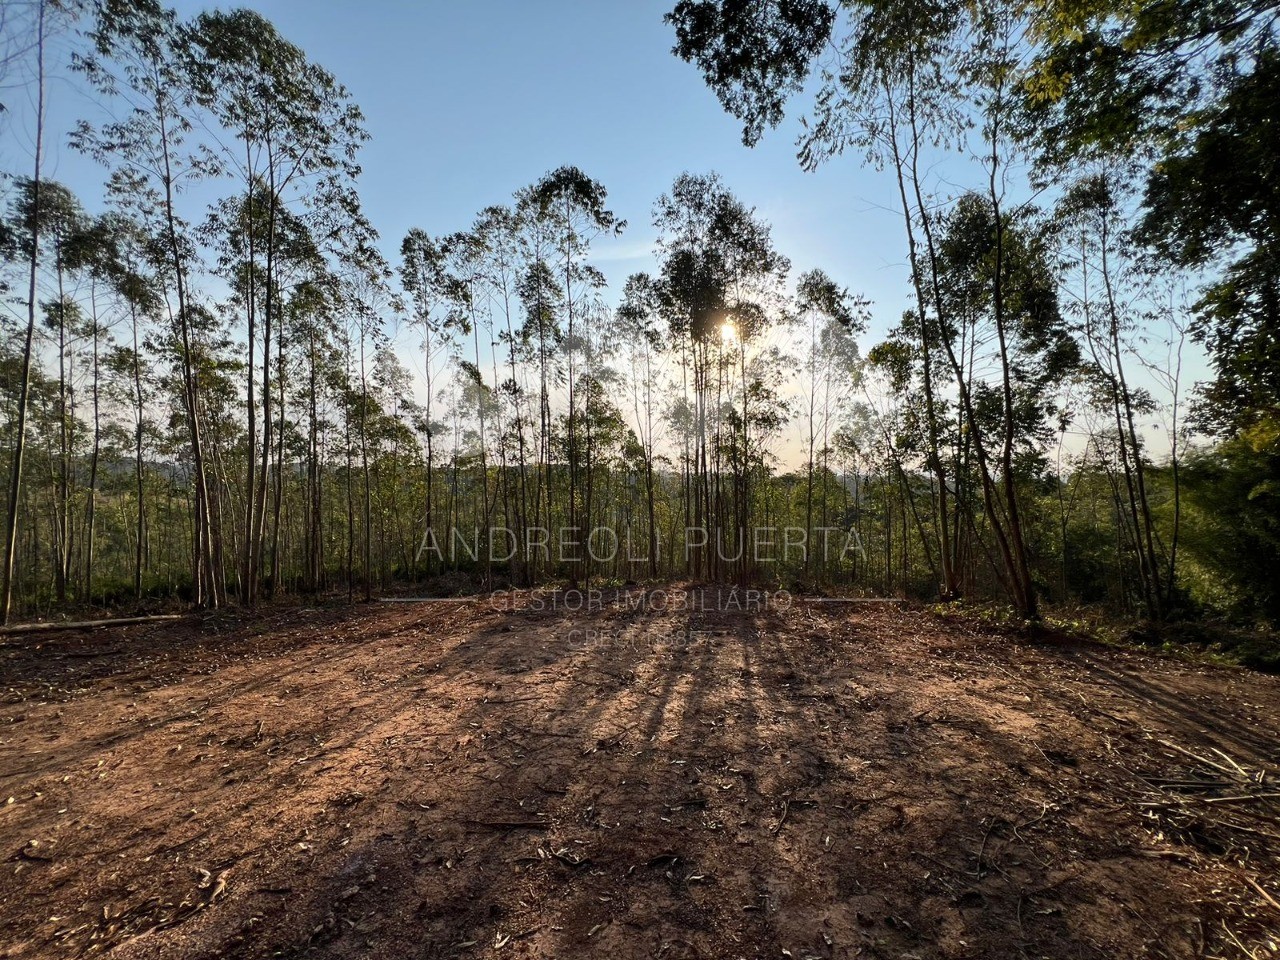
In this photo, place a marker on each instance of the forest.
(228, 402)
(204, 398)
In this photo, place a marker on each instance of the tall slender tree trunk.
(484, 441)
(1022, 567)
(247, 575)
(93, 458)
(950, 581)
(571, 435)
(648, 463)
(364, 467)
(315, 529)
(278, 504)
(521, 560)
(808, 475)
(24, 388)
(1146, 527)
(206, 572)
(140, 548)
(62, 506)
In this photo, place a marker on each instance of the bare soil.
(455, 780)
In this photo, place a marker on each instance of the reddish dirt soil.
(454, 780)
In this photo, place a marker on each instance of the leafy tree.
(753, 55)
(1107, 270)
(1185, 94)
(572, 204)
(835, 318)
(718, 289)
(1211, 204)
(297, 133)
(129, 272)
(32, 251)
(637, 324)
(423, 272)
(140, 53)
(1233, 537)
(49, 223)
(994, 273)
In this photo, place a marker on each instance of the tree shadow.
(683, 783)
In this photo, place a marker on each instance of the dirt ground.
(465, 780)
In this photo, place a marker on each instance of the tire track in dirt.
(463, 781)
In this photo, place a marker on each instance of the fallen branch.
(88, 624)
(1215, 800)
(1265, 896)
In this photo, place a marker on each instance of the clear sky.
(468, 101)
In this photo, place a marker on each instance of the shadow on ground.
(455, 780)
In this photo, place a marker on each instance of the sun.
(728, 332)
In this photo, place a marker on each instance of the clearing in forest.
(520, 779)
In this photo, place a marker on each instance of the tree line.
(1122, 204)
(207, 381)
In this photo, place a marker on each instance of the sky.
(468, 102)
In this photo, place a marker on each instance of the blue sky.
(467, 102)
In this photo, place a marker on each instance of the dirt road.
(439, 780)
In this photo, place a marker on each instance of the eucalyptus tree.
(392, 444)
(26, 33)
(1021, 308)
(308, 287)
(637, 324)
(998, 282)
(49, 223)
(718, 289)
(573, 205)
(465, 254)
(130, 273)
(756, 409)
(1108, 282)
(311, 314)
(498, 230)
(366, 296)
(423, 273)
(31, 247)
(140, 56)
(66, 317)
(835, 317)
(541, 302)
(601, 427)
(93, 251)
(297, 135)
(602, 431)
(895, 95)
(298, 267)
(904, 442)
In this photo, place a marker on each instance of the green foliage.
(172, 434)
(1186, 93)
(1213, 200)
(1232, 525)
(752, 54)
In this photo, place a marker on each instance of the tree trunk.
(24, 388)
